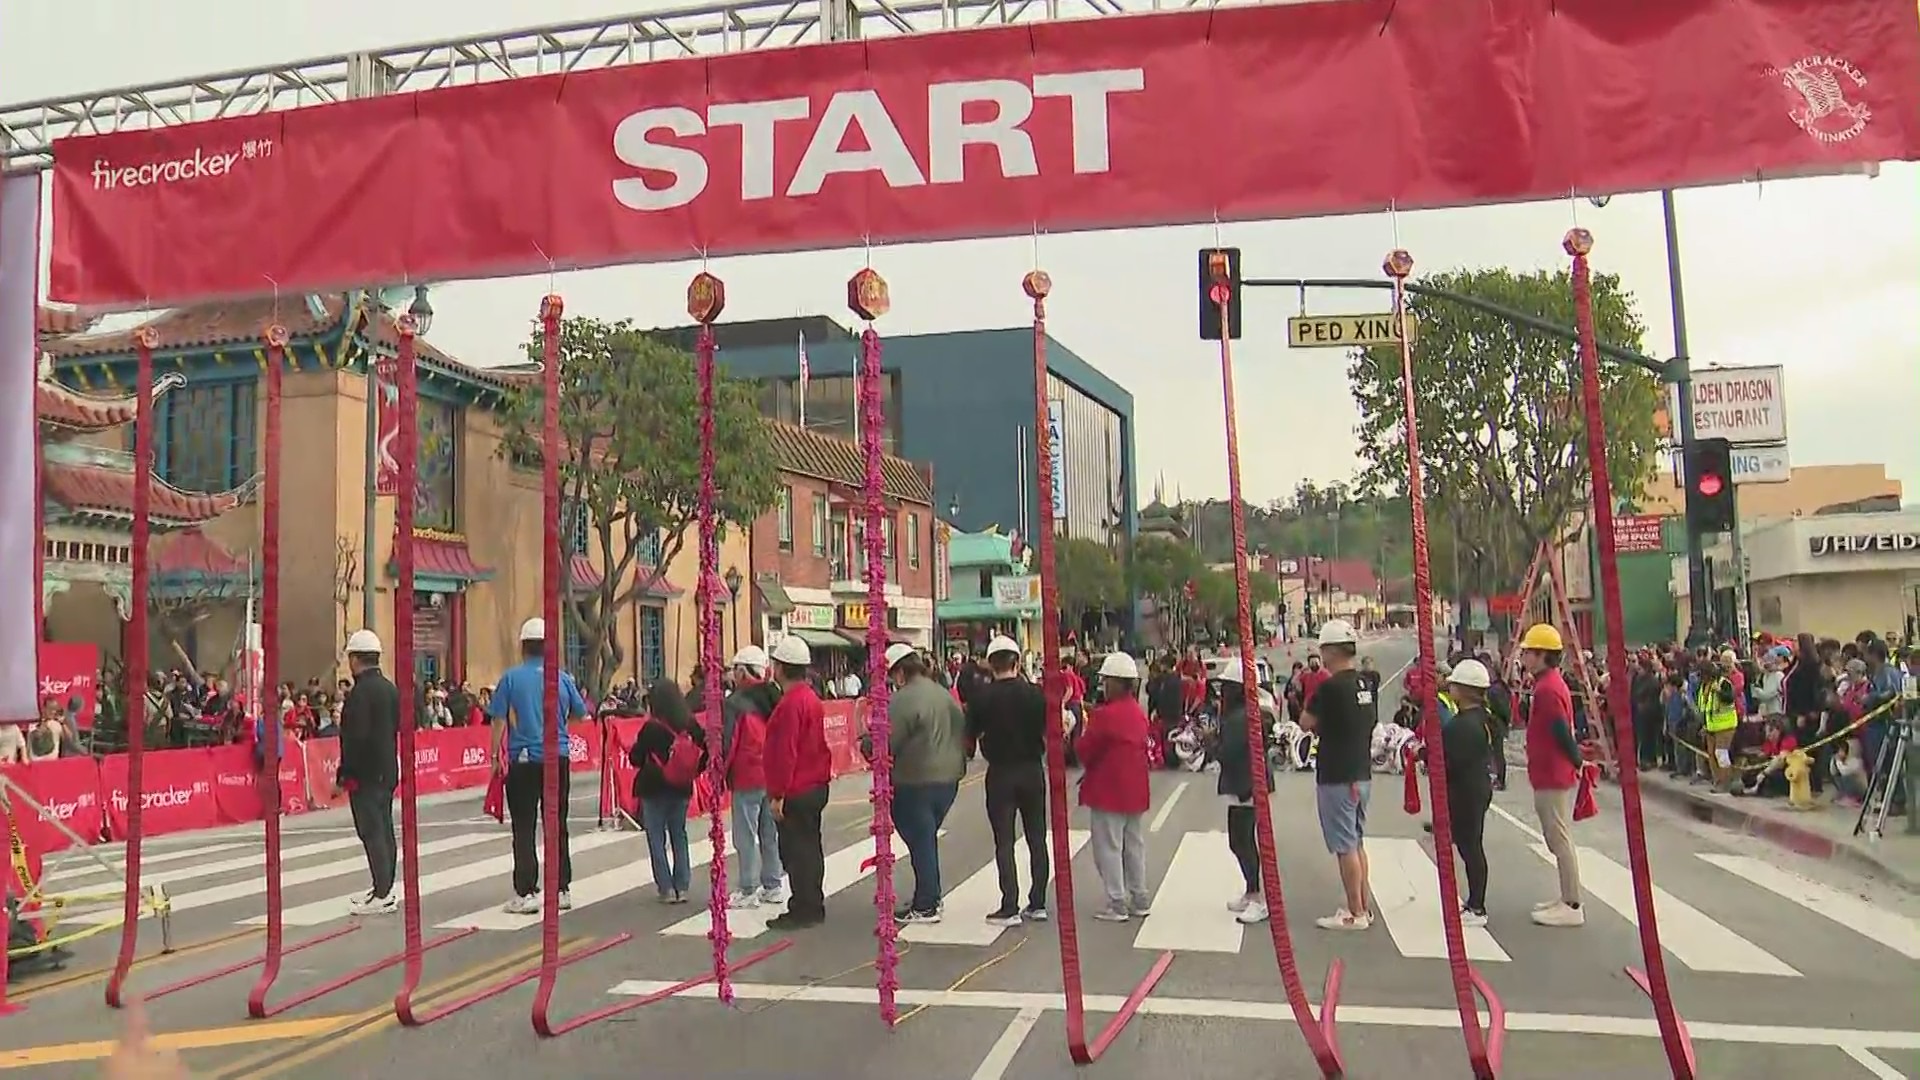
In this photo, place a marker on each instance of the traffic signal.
(1215, 264)
(1710, 498)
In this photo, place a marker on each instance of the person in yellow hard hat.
(1553, 768)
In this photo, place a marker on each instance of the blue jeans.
(664, 817)
(756, 836)
(918, 812)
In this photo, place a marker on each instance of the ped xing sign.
(1751, 465)
(1344, 331)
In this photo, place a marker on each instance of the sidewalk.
(1824, 833)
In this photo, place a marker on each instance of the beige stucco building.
(1832, 575)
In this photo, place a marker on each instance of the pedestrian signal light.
(1219, 284)
(1710, 485)
(1710, 501)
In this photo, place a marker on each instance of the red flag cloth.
(1412, 767)
(494, 805)
(1584, 804)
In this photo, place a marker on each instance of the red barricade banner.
(452, 759)
(236, 782)
(68, 671)
(1310, 110)
(178, 797)
(69, 789)
(583, 745)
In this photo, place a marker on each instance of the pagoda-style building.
(87, 510)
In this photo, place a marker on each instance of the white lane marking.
(1007, 1046)
(1280, 1013)
(1873, 1063)
(588, 891)
(1166, 808)
(500, 866)
(1406, 893)
(1190, 908)
(842, 873)
(1876, 924)
(1518, 824)
(147, 859)
(254, 862)
(240, 890)
(1693, 938)
(964, 921)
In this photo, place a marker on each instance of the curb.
(1729, 813)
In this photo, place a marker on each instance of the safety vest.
(1447, 707)
(1719, 715)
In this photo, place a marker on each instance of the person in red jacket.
(1553, 769)
(799, 767)
(1311, 680)
(1113, 751)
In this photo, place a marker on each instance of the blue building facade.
(962, 402)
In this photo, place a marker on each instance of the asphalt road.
(1781, 968)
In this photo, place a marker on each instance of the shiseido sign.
(1864, 544)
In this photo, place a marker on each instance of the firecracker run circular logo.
(1817, 89)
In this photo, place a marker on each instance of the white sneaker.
(522, 905)
(1342, 919)
(374, 905)
(1240, 903)
(776, 895)
(744, 900)
(566, 900)
(1560, 915)
(1469, 917)
(1109, 914)
(1254, 912)
(1545, 904)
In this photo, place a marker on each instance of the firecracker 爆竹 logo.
(1817, 90)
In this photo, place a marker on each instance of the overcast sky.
(1820, 276)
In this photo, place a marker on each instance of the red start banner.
(1245, 113)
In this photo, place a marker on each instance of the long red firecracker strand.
(405, 505)
(1038, 285)
(144, 341)
(706, 296)
(1398, 265)
(1325, 1054)
(266, 698)
(551, 310)
(867, 296)
(1578, 243)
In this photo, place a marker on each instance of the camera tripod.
(1888, 774)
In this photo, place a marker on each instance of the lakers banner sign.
(1238, 113)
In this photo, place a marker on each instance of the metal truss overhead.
(28, 130)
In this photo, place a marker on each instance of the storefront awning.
(857, 639)
(445, 561)
(773, 595)
(822, 639)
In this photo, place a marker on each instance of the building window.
(205, 437)
(653, 644)
(783, 506)
(573, 528)
(913, 541)
(646, 550)
(576, 650)
(437, 496)
(820, 514)
(840, 550)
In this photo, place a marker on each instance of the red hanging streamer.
(144, 340)
(1673, 1035)
(266, 698)
(1318, 1031)
(706, 297)
(1482, 1049)
(407, 448)
(868, 298)
(1038, 286)
(551, 448)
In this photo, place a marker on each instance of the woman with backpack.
(670, 752)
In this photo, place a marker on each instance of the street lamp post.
(734, 581)
(422, 311)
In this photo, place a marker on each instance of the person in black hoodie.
(1805, 688)
(1236, 757)
(1468, 740)
(1007, 723)
(369, 767)
(1166, 708)
(663, 804)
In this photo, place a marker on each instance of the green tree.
(1090, 578)
(630, 470)
(1502, 433)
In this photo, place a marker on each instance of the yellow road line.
(376, 1021)
(39, 988)
(199, 1039)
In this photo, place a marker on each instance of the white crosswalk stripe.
(963, 919)
(587, 891)
(78, 866)
(1406, 894)
(1190, 907)
(1693, 938)
(844, 870)
(1876, 924)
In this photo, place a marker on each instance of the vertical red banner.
(385, 385)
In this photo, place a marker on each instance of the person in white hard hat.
(799, 767)
(1238, 757)
(1469, 740)
(518, 706)
(743, 757)
(1007, 723)
(926, 733)
(369, 767)
(1341, 713)
(1115, 788)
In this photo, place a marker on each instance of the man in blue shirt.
(519, 748)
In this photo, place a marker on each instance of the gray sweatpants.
(1120, 855)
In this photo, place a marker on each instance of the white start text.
(1001, 111)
